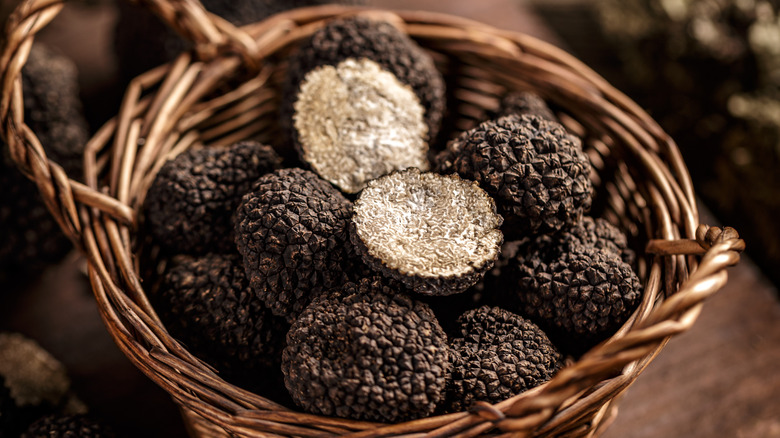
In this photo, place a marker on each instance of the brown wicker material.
(642, 184)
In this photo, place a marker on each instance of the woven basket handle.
(212, 36)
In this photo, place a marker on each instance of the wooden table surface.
(720, 379)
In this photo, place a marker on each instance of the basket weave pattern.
(642, 184)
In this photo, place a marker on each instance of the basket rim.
(100, 218)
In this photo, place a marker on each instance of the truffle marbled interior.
(427, 224)
(357, 122)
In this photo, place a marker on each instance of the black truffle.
(498, 354)
(525, 102)
(437, 234)
(292, 230)
(536, 172)
(579, 294)
(361, 38)
(366, 352)
(31, 237)
(206, 302)
(67, 426)
(190, 205)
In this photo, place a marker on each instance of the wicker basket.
(642, 185)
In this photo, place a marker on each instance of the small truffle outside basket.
(641, 184)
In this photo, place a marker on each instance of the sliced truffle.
(355, 122)
(292, 230)
(190, 205)
(67, 426)
(32, 383)
(207, 303)
(497, 355)
(52, 110)
(536, 172)
(437, 234)
(525, 102)
(368, 352)
(579, 294)
(379, 41)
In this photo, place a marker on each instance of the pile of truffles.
(356, 273)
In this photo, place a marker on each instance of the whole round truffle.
(525, 102)
(207, 303)
(536, 172)
(366, 352)
(359, 37)
(498, 354)
(52, 110)
(437, 234)
(67, 426)
(356, 122)
(580, 295)
(190, 205)
(292, 230)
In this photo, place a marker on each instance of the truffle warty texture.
(189, 206)
(207, 303)
(52, 110)
(292, 230)
(497, 355)
(579, 293)
(366, 352)
(536, 172)
(437, 234)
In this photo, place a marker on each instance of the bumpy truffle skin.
(31, 237)
(437, 234)
(292, 230)
(359, 37)
(67, 426)
(207, 303)
(536, 172)
(580, 295)
(498, 354)
(367, 352)
(525, 102)
(190, 205)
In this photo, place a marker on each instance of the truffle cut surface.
(356, 122)
(428, 225)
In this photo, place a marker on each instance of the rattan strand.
(640, 173)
